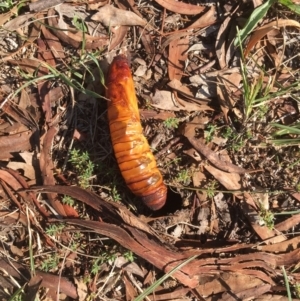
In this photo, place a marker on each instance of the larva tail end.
(156, 200)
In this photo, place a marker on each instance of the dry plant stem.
(42, 5)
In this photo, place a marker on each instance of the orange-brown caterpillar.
(132, 151)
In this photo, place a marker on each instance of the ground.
(217, 90)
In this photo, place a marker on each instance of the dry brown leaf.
(131, 237)
(16, 22)
(147, 114)
(288, 223)
(28, 169)
(47, 169)
(14, 143)
(28, 65)
(178, 86)
(130, 290)
(118, 37)
(10, 180)
(110, 16)
(262, 231)
(177, 56)
(213, 157)
(82, 289)
(226, 89)
(131, 267)
(231, 181)
(53, 43)
(184, 90)
(235, 281)
(262, 31)
(281, 247)
(273, 297)
(74, 37)
(147, 40)
(181, 7)
(221, 42)
(209, 18)
(165, 100)
(246, 294)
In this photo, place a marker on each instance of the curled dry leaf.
(165, 100)
(281, 247)
(17, 22)
(180, 7)
(14, 143)
(47, 168)
(109, 16)
(221, 42)
(28, 169)
(214, 158)
(262, 31)
(74, 37)
(208, 18)
(177, 56)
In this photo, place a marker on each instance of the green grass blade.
(292, 6)
(287, 285)
(95, 60)
(257, 15)
(292, 129)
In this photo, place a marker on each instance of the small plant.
(104, 257)
(54, 229)
(266, 217)
(171, 123)
(115, 194)
(251, 91)
(6, 5)
(79, 24)
(237, 141)
(129, 256)
(228, 133)
(68, 200)
(51, 262)
(184, 177)
(297, 290)
(237, 144)
(211, 188)
(210, 132)
(83, 166)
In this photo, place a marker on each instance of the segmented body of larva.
(132, 151)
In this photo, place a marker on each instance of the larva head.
(156, 200)
(119, 69)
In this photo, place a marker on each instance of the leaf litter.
(208, 108)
